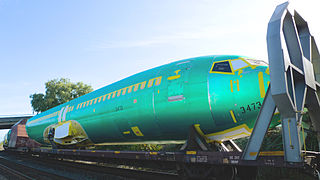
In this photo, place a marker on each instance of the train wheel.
(225, 173)
(247, 173)
(192, 172)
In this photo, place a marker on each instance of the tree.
(58, 91)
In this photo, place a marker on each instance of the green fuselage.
(221, 95)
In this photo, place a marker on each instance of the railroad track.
(12, 174)
(77, 170)
(11, 169)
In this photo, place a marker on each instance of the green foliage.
(58, 91)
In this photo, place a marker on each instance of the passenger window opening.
(222, 67)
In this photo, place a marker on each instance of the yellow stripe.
(238, 85)
(268, 153)
(233, 117)
(267, 71)
(153, 153)
(197, 127)
(253, 153)
(289, 132)
(261, 85)
(136, 131)
(126, 132)
(174, 77)
(230, 130)
(191, 152)
(231, 85)
(271, 153)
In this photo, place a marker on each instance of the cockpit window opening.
(221, 67)
(231, 65)
(238, 64)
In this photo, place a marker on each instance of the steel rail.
(25, 172)
(101, 169)
(13, 173)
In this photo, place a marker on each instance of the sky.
(100, 42)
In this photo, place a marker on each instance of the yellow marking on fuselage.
(44, 117)
(238, 85)
(137, 131)
(175, 76)
(267, 71)
(233, 117)
(239, 72)
(261, 85)
(231, 85)
(126, 132)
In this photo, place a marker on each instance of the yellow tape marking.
(231, 84)
(126, 132)
(238, 85)
(117, 152)
(253, 153)
(174, 77)
(267, 71)
(271, 153)
(136, 131)
(239, 72)
(153, 153)
(289, 132)
(191, 152)
(233, 117)
(261, 85)
(197, 127)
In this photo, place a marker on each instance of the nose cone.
(236, 94)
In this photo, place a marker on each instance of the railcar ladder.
(294, 63)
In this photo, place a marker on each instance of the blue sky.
(100, 42)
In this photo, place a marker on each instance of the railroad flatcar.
(220, 95)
